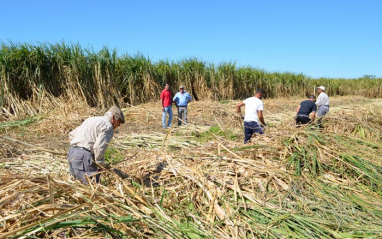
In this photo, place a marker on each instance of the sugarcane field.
(198, 180)
(95, 144)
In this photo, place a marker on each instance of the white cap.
(321, 87)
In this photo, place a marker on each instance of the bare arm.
(298, 109)
(261, 118)
(313, 116)
(238, 107)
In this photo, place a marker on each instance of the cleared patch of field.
(199, 180)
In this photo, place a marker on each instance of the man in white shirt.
(253, 114)
(89, 142)
(322, 102)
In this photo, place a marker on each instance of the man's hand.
(239, 116)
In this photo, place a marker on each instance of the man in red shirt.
(166, 99)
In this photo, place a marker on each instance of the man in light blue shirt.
(181, 100)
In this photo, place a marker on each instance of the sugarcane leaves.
(362, 170)
(304, 148)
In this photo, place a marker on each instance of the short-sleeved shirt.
(307, 107)
(252, 105)
(166, 96)
(182, 99)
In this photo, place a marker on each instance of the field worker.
(306, 108)
(253, 114)
(166, 99)
(89, 142)
(181, 100)
(322, 102)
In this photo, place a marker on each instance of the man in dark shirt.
(304, 109)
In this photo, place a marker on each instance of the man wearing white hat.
(322, 102)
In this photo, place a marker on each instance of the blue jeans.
(168, 110)
(250, 128)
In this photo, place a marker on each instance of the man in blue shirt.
(181, 100)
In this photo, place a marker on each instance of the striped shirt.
(93, 134)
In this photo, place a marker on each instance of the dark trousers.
(250, 128)
(302, 119)
(81, 163)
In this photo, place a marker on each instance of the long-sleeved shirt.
(93, 134)
(322, 99)
(182, 99)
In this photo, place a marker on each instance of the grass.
(113, 156)
(215, 131)
(224, 102)
(19, 123)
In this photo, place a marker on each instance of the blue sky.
(319, 38)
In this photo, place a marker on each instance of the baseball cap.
(117, 111)
(181, 87)
(321, 87)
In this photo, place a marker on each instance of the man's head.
(181, 88)
(259, 93)
(167, 86)
(312, 98)
(321, 88)
(116, 116)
